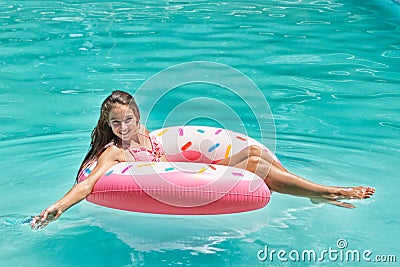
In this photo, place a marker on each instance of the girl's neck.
(137, 140)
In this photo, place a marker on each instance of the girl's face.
(123, 122)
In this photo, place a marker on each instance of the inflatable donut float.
(190, 183)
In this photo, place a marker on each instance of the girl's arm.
(108, 158)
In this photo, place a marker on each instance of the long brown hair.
(102, 133)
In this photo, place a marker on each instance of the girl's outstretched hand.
(50, 214)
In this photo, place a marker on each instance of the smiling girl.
(119, 137)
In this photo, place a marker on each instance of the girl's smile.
(123, 122)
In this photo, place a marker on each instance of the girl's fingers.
(44, 216)
(33, 222)
(57, 215)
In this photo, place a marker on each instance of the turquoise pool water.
(330, 71)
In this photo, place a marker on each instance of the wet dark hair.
(102, 133)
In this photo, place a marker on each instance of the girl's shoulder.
(112, 153)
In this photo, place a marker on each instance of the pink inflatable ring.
(190, 183)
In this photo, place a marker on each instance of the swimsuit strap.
(151, 141)
(153, 151)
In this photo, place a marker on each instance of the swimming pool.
(329, 70)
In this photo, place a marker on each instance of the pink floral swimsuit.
(143, 154)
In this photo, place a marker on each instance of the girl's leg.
(249, 152)
(287, 183)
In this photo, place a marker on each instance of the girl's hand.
(47, 216)
(111, 156)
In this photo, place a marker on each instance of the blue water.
(330, 71)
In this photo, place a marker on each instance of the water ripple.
(390, 125)
(366, 96)
(329, 70)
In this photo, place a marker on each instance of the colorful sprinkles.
(218, 131)
(127, 168)
(147, 164)
(162, 132)
(186, 146)
(213, 147)
(212, 167)
(200, 172)
(241, 138)
(228, 150)
(108, 173)
(202, 169)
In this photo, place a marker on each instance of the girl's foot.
(360, 192)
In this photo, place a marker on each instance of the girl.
(119, 137)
